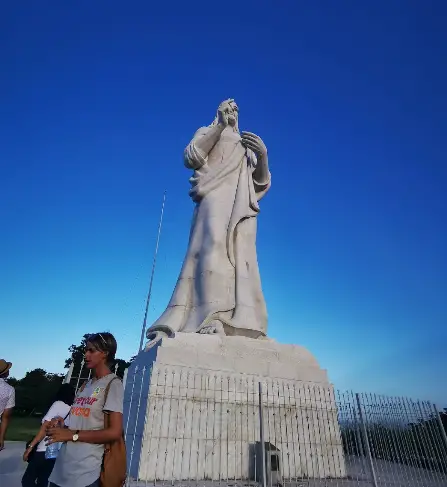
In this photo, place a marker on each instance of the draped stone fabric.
(219, 279)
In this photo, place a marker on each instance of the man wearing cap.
(7, 400)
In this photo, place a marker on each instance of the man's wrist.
(74, 435)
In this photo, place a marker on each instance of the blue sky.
(98, 100)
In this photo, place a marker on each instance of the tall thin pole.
(148, 299)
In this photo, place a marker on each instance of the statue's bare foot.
(214, 327)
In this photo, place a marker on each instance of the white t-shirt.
(57, 409)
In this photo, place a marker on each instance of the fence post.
(79, 375)
(358, 436)
(441, 427)
(365, 436)
(126, 371)
(261, 436)
(68, 375)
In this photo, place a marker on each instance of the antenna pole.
(148, 299)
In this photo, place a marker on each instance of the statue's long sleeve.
(196, 153)
(194, 158)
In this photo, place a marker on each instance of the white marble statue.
(219, 287)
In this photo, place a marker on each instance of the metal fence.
(189, 427)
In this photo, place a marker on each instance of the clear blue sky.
(98, 100)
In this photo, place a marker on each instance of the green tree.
(36, 391)
(12, 381)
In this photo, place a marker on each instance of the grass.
(23, 428)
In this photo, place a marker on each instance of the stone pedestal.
(192, 410)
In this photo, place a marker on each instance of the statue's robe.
(220, 277)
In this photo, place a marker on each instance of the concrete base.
(192, 410)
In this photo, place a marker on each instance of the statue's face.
(233, 113)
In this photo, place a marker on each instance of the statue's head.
(231, 108)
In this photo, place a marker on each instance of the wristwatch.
(76, 436)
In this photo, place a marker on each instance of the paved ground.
(11, 464)
(388, 475)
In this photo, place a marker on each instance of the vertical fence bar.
(151, 407)
(126, 371)
(298, 435)
(136, 420)
(241, 415)
(261, 435)
(414, 440)
(205, 443)
(236, 429)
(276, 431)
(79, 375)
(357, 436)
(401, 440)
(287, 408)
(366, 440)
(170, 473)
(270, 430)
(316, 430)
(221, 449)
(217, 431)
(428, 447)
(131, 400)
(441, 428)
(414, 460)
(252, 441)
(424, 442)
(293, 437)
(283, 432)
(393, 414)
(370, 417)
(436, 440)
(227, 422)
(199, 422)
(69, 373)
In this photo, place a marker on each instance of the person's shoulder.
(60, 404)
(57, 404)
(111, 381)
(114, 395)
(115, 386)
(58, 408)
(116, 381)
